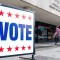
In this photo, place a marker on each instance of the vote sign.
(16, 31)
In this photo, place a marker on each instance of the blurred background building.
(47, 16)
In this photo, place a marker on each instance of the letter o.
(13, 25)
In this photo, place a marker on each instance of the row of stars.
(16, 48)
(16, 15)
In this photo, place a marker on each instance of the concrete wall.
(52, 6)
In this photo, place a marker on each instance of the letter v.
(3, 33)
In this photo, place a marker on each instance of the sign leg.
(33, 57)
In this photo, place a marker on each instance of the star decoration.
(29, 18)
(9, 14)
(1, 13)
(17, 16)
(29, 47)
(23, 16)
(16, 48)
(1, 49)
(9, 48)
(23, 48)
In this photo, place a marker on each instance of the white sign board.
(16, 31)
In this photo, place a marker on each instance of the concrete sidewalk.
(43, 45)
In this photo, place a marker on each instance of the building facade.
(47, 16)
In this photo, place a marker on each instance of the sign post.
(16, 31)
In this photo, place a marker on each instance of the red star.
(29, 18)
(17, 16)
(23, 48)
(1, 13)
(16, 48)
(29, 47)
(9, 48)
(23, 16)
(9, 14)
(1, 49)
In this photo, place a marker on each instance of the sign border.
(13, 7)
